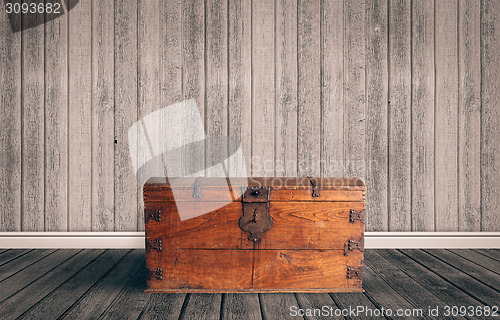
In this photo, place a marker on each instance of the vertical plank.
(148, 89)
(10, 126)
(422, 115)
(286, 88)
(80, 117)
(103, 115)
(354, 89)
(309, 88)
(216, 78)
(332, 94)
(469, 116)
(193, 52)
(490, 115)
(399, 116)
(33, 125)
(125, 115)
(56, 123)
(446, 116)
(376, 114)
(171, 71)
(240, 77)
(263, 88)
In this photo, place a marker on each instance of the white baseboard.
(135, 240)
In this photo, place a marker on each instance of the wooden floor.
(109, 284)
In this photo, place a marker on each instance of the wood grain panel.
(490, 116)
(399, 183)
(298, 225)
(56, 124)
(33, 124)
(200, 269)
(312, 269)
(125, 114)
(148, 78)
(103, 121)
(332, 89)
(11, 114)
(376, 115)
(354, 89)
(193, 69)
(263, 88)
(422, 116)
(469, 116)
(309, 90)
(446, 214)
(286, 88)
(218, 229)
(216, 85)
(240, 78)
(80, 117)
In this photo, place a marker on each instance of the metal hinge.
(153, 215)
(154, 244)
(353, 272)
(357, 216)
(353, 245)
(158, 274)
(197, 188)
(315, 191)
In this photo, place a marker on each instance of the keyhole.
(254, 220)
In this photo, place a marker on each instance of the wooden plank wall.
(404, 94)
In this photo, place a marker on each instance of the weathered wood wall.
(405, 94)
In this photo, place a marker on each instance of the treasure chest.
(254, 234)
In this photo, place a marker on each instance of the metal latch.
(353, 245)
(256, 219)
(197, 188)
(315, 191)
(158, 274)
(152, 215)
(353, 272)
(357, 216)
(154, 244)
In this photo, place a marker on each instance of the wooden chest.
(254, 234)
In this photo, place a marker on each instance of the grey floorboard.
(110, 284)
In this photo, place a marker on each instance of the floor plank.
(431, 281)
(410, 289)
(12, 254)
(314, 301)
(381, 293)
(479, 273)
(24, 299)
(23, 278)
(100, 297)
(241, 306)
(164, 306)
(59, 300)
(494, 254)
(130, 303)
(202, 306)
(466, 283)
(277, 305)
(22, 262)
(354, 300)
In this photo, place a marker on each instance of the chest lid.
(272, 189)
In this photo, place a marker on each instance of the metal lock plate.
(255, 194)
(256, 219)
